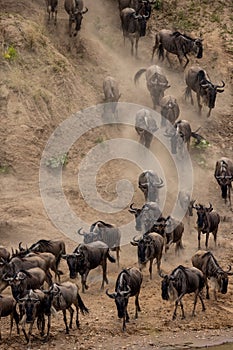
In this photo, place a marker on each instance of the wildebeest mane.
(209, 254)
(43, 242)
(102, 222)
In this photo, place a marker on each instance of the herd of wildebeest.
(26, 270)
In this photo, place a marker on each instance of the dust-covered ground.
(54, 76)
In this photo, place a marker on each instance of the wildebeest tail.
(138, 74)
(161, 52)
(187, 93)
(111, 258)
(83, 308)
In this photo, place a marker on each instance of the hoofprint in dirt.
(33, 107)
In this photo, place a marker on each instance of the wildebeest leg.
(178, 300)
(70, 27)
(199, 102)
(195, 302)
(215, 237)
(104, 267)
(199, 239)
(118, 256)
(148, 139)
(77, 320)
(55, 17)
(168, 58)
(136, 47)
(202, 302)
(187, 61)
(126, 312)
(150, 268)
(132, 44)
(207, 239)
(84, 279)
(71, 310)
(48, 328)
(137, 306)
(65, 321)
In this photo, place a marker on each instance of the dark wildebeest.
(8, 308)
(111, 96)
(150, 247)
(180, 135)
(183, 280)
(62, 297)
(87, 257)
(146, 217)
(170, 110)
(52, 9)
(156, 82)
(107, 233)
(32, 306)
(128, 284)
(207, 263)
(207, 221)
(198, 81)
(172, 231)
(186, 203)
(178, 44)
(133, 27)
(145, 126)
(25, 280)
(56, 247)
(4, 254)
(75, 10)
(149, 183)
(224, 176)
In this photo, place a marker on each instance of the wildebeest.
(75, 10)
(207, 263)
(156, 82)
(128, 3)
(128, 284)
(150, 247)
(183, 280)
(198, 81)
(224, 176)
(141, 7)
(62, 297)
(87, 257)
(178, 44)
(4, 254)
(170, 110)
(33, 308)
(172, 231)
(56, 247)
(146, 217)
(180, 135)
(207, 221)
(107, 233)
(149, 183)
(186, 203)
(52, 9)
(25, 280)
(133, 27)
(111, 96)
(8, 308)
(145, 126)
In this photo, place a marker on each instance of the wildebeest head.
(224, 178)
(144, 248)
(87, 236)
(209, 92)
(30, 306)
(121, 300)
(167, 287)
(149, 182)
(77, 17)
(198, 47)
(146, 216)
(202, 211)
(74, 261)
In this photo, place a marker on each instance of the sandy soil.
(55, 76)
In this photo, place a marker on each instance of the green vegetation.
(4, 168)
(57, 161)
(10, 53)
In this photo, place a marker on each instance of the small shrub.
(57, 161)
(10, 53)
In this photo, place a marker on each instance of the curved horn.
(79, 232)
(228, 270)
(125, 292)
(135, 240)
(219, 86)
(132, 210)
(163, 275)
(160, 183)
(20, 246)
(210, 207)
(85, 10)
(111, 295)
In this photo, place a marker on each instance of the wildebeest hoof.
(86, 287)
